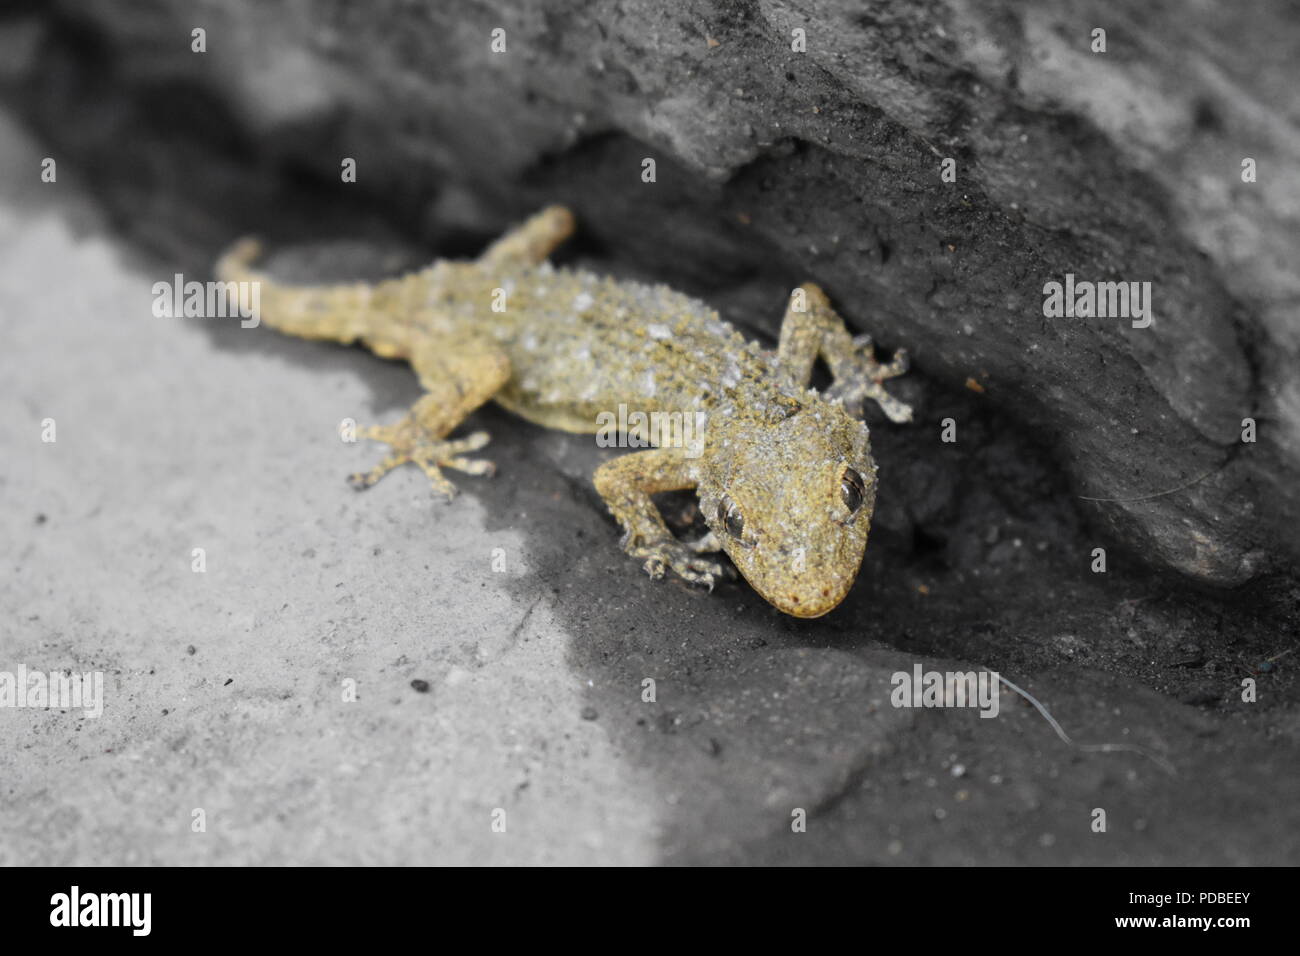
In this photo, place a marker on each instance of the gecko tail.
(235, 263)
(340, 313)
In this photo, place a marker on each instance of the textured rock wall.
(825, 164)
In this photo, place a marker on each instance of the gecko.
(784, 474)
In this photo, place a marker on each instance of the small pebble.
(588, 713)
(420, 686)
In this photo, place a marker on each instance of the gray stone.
(1123, 165)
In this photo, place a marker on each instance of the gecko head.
(790, 492)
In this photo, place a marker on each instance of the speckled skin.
(784, 475)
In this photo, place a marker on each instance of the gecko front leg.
(812, 328)
(626, 483)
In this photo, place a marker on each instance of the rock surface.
(1115, 166)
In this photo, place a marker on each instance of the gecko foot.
(861, 377)
(410, 443)
(664, 553)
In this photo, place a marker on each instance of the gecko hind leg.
(530, 243)
(411, 444)
(457, 384)
(816, 330)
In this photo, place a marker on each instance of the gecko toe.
(474, 441)
(654, 567)
(694, 569)
(470, 466)
(662, 556)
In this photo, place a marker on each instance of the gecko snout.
(811, 601)
(805, 588)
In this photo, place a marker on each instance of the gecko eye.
(852, 490)
(731, 518)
